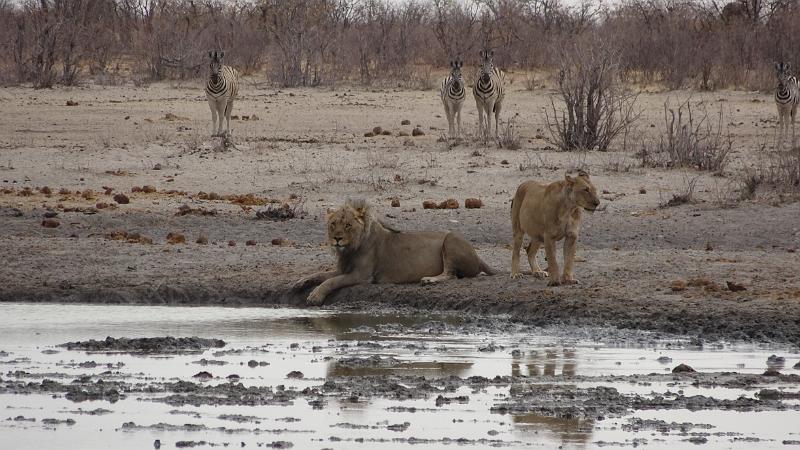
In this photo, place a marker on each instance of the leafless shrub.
(595, 108)
(618, 162)
(776, 172)
(686, 195)
(509, 136)
(689, 140)
(535, 162)
(530, 82)
(283, 211)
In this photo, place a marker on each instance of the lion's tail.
(486, 269)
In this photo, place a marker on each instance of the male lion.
(368, 251)
(549, 213)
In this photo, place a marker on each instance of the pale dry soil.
(310, 144)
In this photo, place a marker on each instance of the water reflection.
(546, 362)
(573, 431)
(417, 368)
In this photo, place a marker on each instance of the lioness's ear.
(583, 174)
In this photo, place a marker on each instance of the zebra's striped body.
(453, 94)
(489, 91)
(787, 97)
(222, 87)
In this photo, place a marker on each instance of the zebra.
(787, 97)
(489, 90)
(453, 95)
(221, 90)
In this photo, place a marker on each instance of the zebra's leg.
(458, 115)
(448, 111)
(780, 128)
(221, 114)
(794, 139)
(213, 105)
(480, 117)
(228, 109)
(497, 107)
(489, 112)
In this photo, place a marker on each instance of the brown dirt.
(311, 145)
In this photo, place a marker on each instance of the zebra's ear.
(211, 54)
(482, 53)
(491, 53)
(221, 55)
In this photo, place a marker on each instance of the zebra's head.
(455, 73)
(487, 65)
(216, 64)
(783, 71)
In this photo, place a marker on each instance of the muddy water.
(264, 345)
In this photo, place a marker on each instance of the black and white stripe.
(222, 87)
(489, 91)
(453, 93)
(787, 97)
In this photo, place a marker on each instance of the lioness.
(368, 251)
(549, 213)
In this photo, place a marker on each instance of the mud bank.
(709, 318)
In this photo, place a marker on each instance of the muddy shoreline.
(706, 319)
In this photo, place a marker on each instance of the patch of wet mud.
(166, 344)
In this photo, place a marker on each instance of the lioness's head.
(582, 191)
(348, 225)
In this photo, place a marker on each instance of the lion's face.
(584, 193)
(346, 227)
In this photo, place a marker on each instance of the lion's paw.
(428, 280)
(554, 283)
(517, 275)
(299, 285)
(316, 297)
(567, 281)
(540, 274)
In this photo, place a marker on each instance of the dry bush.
(283, 211)
(689, 139)
(595, 109)
(686, 195)
(509, 136)
(776, 172)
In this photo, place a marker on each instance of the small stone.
(50, 214)
(643, 191)
(101, 205)
(251, 242)
(678, 285)
(504, 162)
(157, 444)
(46, 190)
(282, 242)
(377, 130)
(294, 374)
(157, 166)
(664, 359)
(51, 223)
(203, 374)
(148, 189)
(136, 189)
(429, 204)
(231, 243)
(683, 368)
(252, 363)
(450, 203)
(405, 122)
(417, 132)
(176, 238)
(473, 203)
(122, 199)
(735, 287)
(369, 134)
(395, 203)
(72, 103)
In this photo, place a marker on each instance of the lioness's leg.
(517, 244)
(312, 279)
(570, 244)
(532, 250)
(552, 264)
(317, 296)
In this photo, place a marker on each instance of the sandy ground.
(310, 144)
